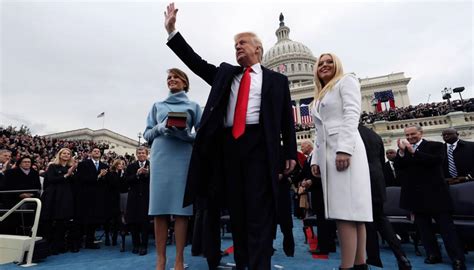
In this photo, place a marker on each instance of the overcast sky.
(64, 62)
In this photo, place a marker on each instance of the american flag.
(293, 105)
(305, 111)
(384, 96)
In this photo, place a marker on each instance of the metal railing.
(34, 229)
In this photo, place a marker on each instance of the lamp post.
(459, 90)
(139, 137)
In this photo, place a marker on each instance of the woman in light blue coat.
(169, 158)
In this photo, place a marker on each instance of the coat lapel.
(421, 145)
(265, 82)
(217, 94)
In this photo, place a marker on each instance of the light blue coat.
(170, 154)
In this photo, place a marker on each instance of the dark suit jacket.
(424, 189)
(463, 159)
(316, 188)
(390, 179)
(276, 117)
(376, 157)
(16, 179)
(90, 192)
(138, 194)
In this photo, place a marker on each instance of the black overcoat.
(57, 198)
(276, 116)
(138, 194)
(90, 203)
(424, 189)
(376, 158)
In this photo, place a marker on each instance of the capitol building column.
(298, 113)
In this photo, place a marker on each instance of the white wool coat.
(347, 194)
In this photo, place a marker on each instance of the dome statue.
(289, 57)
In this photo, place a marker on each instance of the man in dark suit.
(248, 112)
(91, 188)
(375, 155)
(6, 227)
(283, 215)
(22, 177)
(326, 228)
(5, 157)
(425, 192)
(459, 161)
(389, 171)
(136, 215)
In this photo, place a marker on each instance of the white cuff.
(172, 34)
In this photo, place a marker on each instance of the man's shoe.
(135, 250)
(403, 263)
(142, 251)
(375, 261)
(459, 265)
(432, 259)
(92, 246)
(361, 267)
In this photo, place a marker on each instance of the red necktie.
(240, 113)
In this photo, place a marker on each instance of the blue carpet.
(111, 258)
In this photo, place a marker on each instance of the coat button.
(211, 109)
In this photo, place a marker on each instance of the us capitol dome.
(289, 57)
(296, 61)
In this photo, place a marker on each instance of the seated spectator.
(22, 177)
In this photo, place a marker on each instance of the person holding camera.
(171, 138)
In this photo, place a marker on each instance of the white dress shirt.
(454, 144)
(415, 146)
(255, 96)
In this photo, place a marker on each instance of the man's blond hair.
(255, 39)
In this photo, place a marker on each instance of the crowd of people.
(42, 150)
(240, 155)
(419, 111)
(78, 197)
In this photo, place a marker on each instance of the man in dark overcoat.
(247, 114)
(425, 193)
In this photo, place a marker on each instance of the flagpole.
(103, 122)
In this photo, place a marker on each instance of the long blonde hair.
(320, 90)
(57, 160)
(115, 164)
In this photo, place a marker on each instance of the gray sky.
(64, 62)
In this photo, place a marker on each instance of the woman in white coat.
(339, 157)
